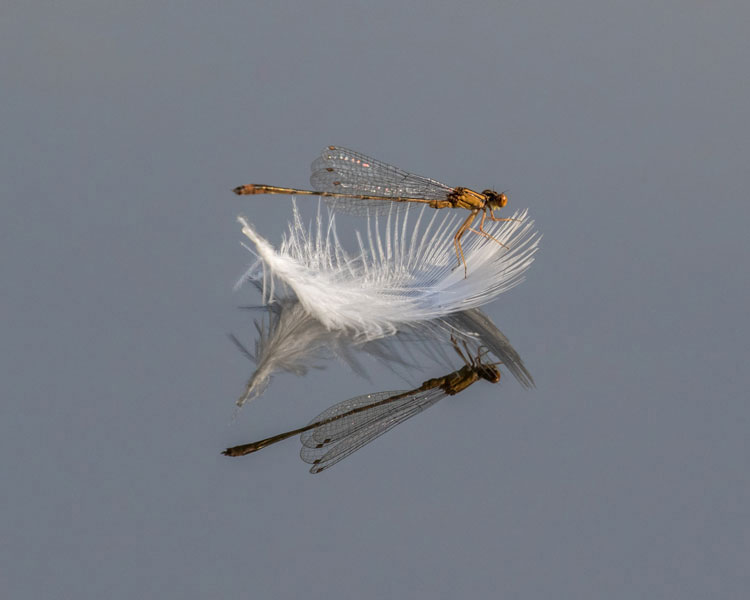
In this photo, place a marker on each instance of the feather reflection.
(292, 341)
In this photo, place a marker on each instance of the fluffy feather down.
(402, 272)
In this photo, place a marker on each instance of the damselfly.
(347, 426)
(355, 183)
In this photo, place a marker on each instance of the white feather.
(402, 272)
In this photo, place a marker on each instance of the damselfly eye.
(494, 199)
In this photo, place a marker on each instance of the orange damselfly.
(354, 183)
(347, 426)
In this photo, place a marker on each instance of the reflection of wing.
(327, 444)
(475, 323)
(343, 171)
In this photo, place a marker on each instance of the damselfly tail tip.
(244, 190)
(236, 451)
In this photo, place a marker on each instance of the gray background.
(624, 127)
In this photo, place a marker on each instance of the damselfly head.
(489, 372)
(495, 200)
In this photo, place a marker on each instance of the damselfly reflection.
(347, 426)
(355, 183)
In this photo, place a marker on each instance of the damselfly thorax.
(354, 183)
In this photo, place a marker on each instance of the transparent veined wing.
(342, 171)
(332, 441)
(345, 417)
